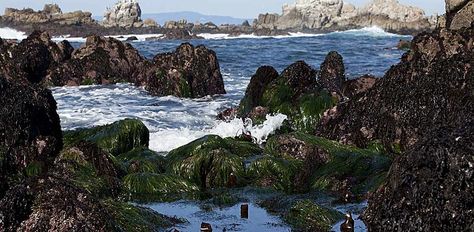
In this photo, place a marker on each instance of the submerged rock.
(99, 61)
(116, 138)
(188, 72)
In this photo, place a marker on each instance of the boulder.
(51, 13)
(30, 131)
(210, 161)
(430, 183)
(295, 93)
(332, 74)
(188, 72)
(116, 138)
(99, 61)
(125, 13)
(254, 93)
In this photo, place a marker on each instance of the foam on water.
(373, 31)
(253, 36)
(172, 121)
(8, 33)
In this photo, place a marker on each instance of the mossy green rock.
(295, 93)
(210, 160)
(116, 138)
(135, 218)
(366, 167)
(157, 187)
(142, 160)
(273, 172)
(305, 215)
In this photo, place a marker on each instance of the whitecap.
(8, 33)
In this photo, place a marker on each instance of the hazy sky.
(235, 8)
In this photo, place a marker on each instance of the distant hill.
(193, 17)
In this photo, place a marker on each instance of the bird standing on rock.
(348, 225)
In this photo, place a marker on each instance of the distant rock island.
(310, 16)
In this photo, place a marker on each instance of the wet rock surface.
(400, 108)
(188, 72)
(99, 61)
(431, 182)
(332, 72)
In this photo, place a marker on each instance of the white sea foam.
(253, 36)
(140, 38)
(373, 31)
(172, 121)
(168, 139)
(8, 33)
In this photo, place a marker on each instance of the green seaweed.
(116, 138)
(129, 217)
(148, 187)
(273, 172)
(142, 160)
(305, 215)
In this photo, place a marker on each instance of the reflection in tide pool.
(221, 218)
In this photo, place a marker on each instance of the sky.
(234, 8)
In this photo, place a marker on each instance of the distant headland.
(309, 16)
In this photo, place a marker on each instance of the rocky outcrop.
(359, 85)
(430, 183)
(30, 131)
(51, 13)
(255, 90)
(399, 109)
(332, 74)
(459, 13)
(125, 13)
(330, 15)
(99, 61)
(188, 72)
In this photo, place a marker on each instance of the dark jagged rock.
(100, 61)
(459, 13)
(59, 206)
(295, 93)
(188, 72)
(332, 73)
(356, 86)
(254, 93)
(15, 207)
(404, 45)
(431, 183)
(32, 57)
(433, 80)
(30, 131)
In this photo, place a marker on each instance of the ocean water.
(174, 122)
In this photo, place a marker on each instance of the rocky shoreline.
(125, 18)
(403, 142)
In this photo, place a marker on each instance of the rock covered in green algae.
(210, 160)
(142, 160)
(116, 138)
(273, 172)
(295, 93)
(148, 187)
(90, 168)
(325, 164)
(305, 216)
(129, 217)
